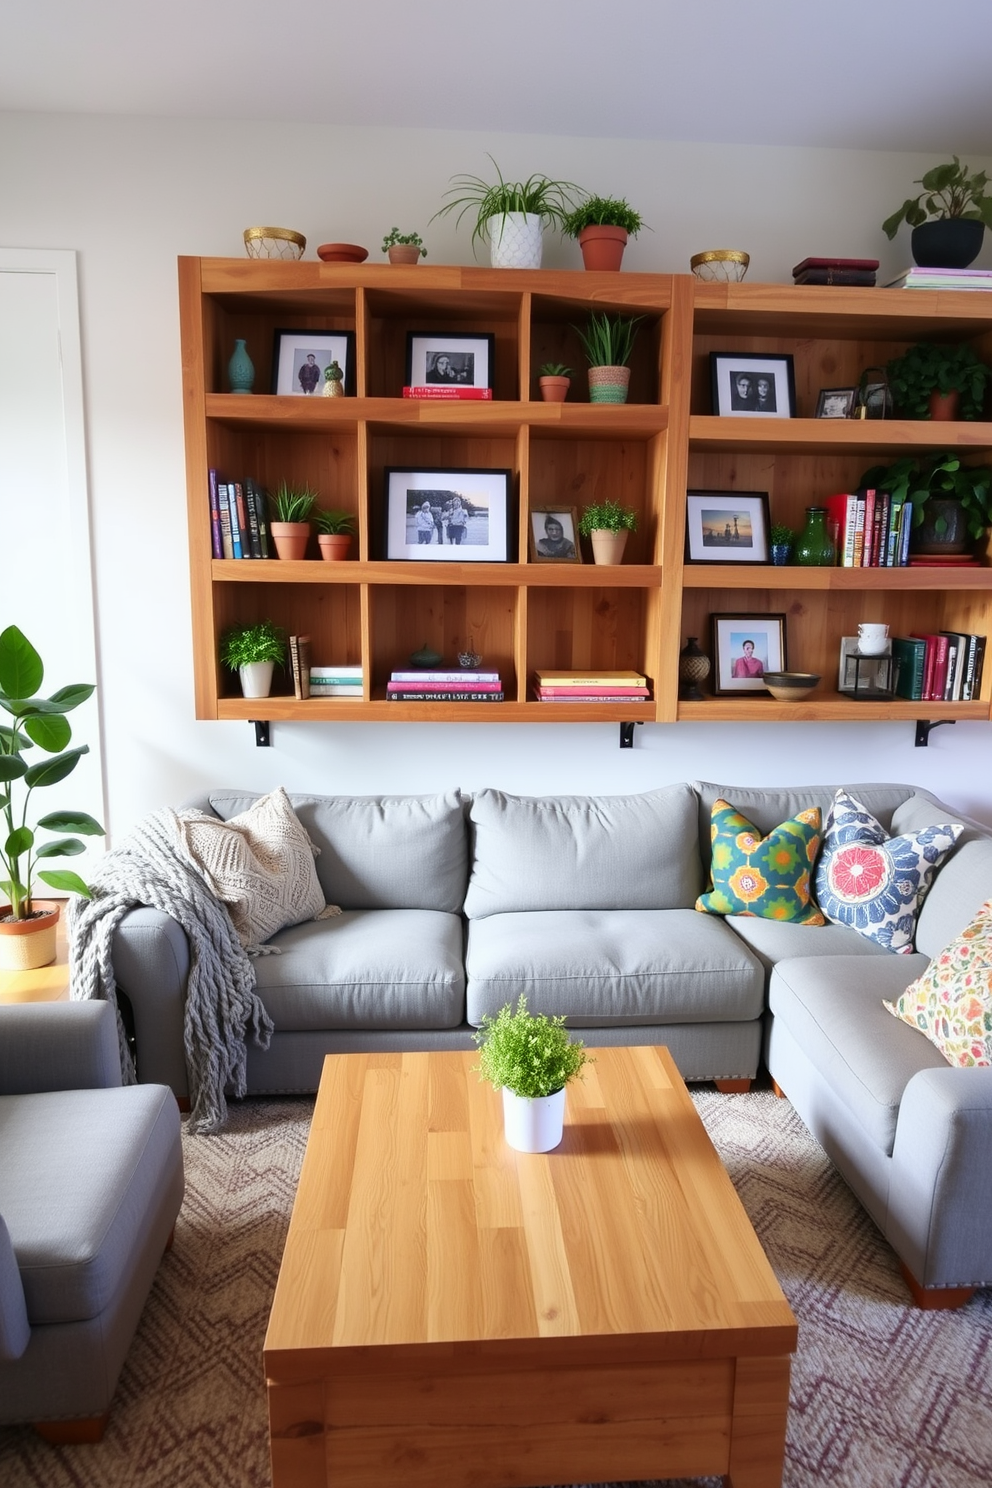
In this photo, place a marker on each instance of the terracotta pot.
(290, 538)
(602, 246)
(607, 547)
(26, 944)
(608, 384)
(554, 389)
(334, 545)
(403, 253)
(944, 405)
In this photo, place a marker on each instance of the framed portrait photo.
(449, 359)
(300, 360)
(448, 516)
(727, 527)
(744, 648)
(553, 535)
(835, 402)
(746, 386)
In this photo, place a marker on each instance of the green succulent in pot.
(334, 522)
(931, 367)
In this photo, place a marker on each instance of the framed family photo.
(744, 648)
(746, 386)
(300, 360)
(553, 535)
(727, 527)
(835, 403)
(449, 359)
(448, 516)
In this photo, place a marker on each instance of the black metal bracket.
(627, 734)
(924, 726)
(263, 738)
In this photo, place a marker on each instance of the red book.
(592, 692)
(842, 512)
(481, 394)
(867, 559)
(934, 666)
(835, 263)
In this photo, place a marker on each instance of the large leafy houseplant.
(36, 721)
(538, 196)
(919, 480)
(933, 368)
(949, 191)
(528, 1053)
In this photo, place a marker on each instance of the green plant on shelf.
(539, 196)
(608, 340)
(292, 503)
(333, 522)
(941, 475)
(607, 516)
(528, 1053)
(554, 369)
(949, 190)
(395, 239)
(602, 211)
(242, 645)
(780, 536)
(933, 368)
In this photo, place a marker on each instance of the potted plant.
(948, 218)
(608, 341)
(403, 248)
(530, 1058)
(252, 651)
(607, 524)
(27, 926)
(511, 214)
(952, 503)
(602, 225)
(334, 533)
(290, 519)
(780, 539)
(939, 382)
(554, 380)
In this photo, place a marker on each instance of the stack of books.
(835, 271)
(590, 687)
(239, 518)
(942, 279)
(442, 390)
(942, 667)
(872, 529)
(336, 681)
(460, 685)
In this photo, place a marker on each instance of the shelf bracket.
(627, 734)
(263, 738)
(924, 726)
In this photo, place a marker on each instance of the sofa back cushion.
(380, 852)
(583, 852)
(765, 808)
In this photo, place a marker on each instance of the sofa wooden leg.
(171, 1240)
(733, 1087)
(79, 1433)
(935, 1298)
(778, 1090)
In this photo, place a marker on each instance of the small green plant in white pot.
(530, 1058)
(252, 651)
(608, 342)
(606, 524)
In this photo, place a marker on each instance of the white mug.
(872, 638)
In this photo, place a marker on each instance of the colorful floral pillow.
(873, 883)
(951, 1003)
(767, 877)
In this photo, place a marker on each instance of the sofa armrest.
(151, 960)
(940, 1195)
(15, 1330)
(58, 1046)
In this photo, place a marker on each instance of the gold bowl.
(274, 242)
(720, 265)
(790, 687)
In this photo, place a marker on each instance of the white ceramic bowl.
(790, 687)
(720, 265)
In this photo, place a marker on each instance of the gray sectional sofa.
(453, 906)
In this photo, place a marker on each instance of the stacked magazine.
(459, 685)
(590, 687)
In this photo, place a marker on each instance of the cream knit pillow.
(260, 864)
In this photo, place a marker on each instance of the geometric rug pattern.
(883, 1395)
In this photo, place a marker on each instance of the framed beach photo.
(448, 516)
(835, 402)
(300, 360)
(726, 527)
(744, 648)
(746, 386)
(449, 359)
(553, 535)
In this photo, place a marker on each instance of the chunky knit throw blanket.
(153, 867)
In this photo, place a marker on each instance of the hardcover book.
(468, 394)
(908, 656)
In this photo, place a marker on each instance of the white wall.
(131, 194)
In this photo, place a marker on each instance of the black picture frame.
(731, 399)
(732, 635)
(727, 527)
(468, 357)
(836, 403)
(291, 350)
(483, 495)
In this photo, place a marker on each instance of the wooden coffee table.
(449, 1311)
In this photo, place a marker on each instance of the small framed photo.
(745, 647)
(752, 386)
(449, 359)
(835, 402)
(727, 527)
(553, 535)
(300, 360)
(448, 516)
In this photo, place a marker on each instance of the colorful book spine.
(227, 541)
(237, 550)
(443, 687)
(251, 511)
(216, 532)
(593, 692)
(256, 496)
(461, 675)
(445, 697)
(908, 656)
(466, 394)
(859, 532)
(867, 546)
(590, 679)
(238, 499)
(336, 689)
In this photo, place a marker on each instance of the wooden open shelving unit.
(646, 453)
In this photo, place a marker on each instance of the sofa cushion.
(608, 968)
(779, 940)
(767, 807)
(377, 968)
(875, 883)
(951, 1003)
(381, 852)
(767, 876)
(832, 1006)
(958, 892)
(583, 852)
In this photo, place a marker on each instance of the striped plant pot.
(608, 384)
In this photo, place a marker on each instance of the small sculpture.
(333, 381)
(469, 658)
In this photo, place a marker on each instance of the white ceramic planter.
(533, 1125)
(515, 240)
(256, 678)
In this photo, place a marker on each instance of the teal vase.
(241, 370)
(815, 548)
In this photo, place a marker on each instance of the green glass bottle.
(815, 548)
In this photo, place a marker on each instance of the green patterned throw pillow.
(768, 877)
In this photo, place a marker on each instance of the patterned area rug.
(883, 1396)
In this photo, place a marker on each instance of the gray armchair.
(91, 1181)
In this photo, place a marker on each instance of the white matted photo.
(746, 386)
(449, 359)
(726, 526)
(745, 647)
(300, 361)
(448, 516)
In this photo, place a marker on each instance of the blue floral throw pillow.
(873, 883)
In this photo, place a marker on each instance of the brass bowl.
(720, 265)
(274, 242)
(790, 687)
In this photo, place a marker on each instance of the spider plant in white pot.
(530, 1058)
(511, 214)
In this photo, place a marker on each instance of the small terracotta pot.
(27, 944)
(290, 538)
(607, 547)
(941, 406)
(608, 384)
(602, 246)
(403, 253)
(334, 545)
(554, 389)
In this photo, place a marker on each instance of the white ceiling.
(878, 74)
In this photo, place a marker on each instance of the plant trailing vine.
(528, 1053)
